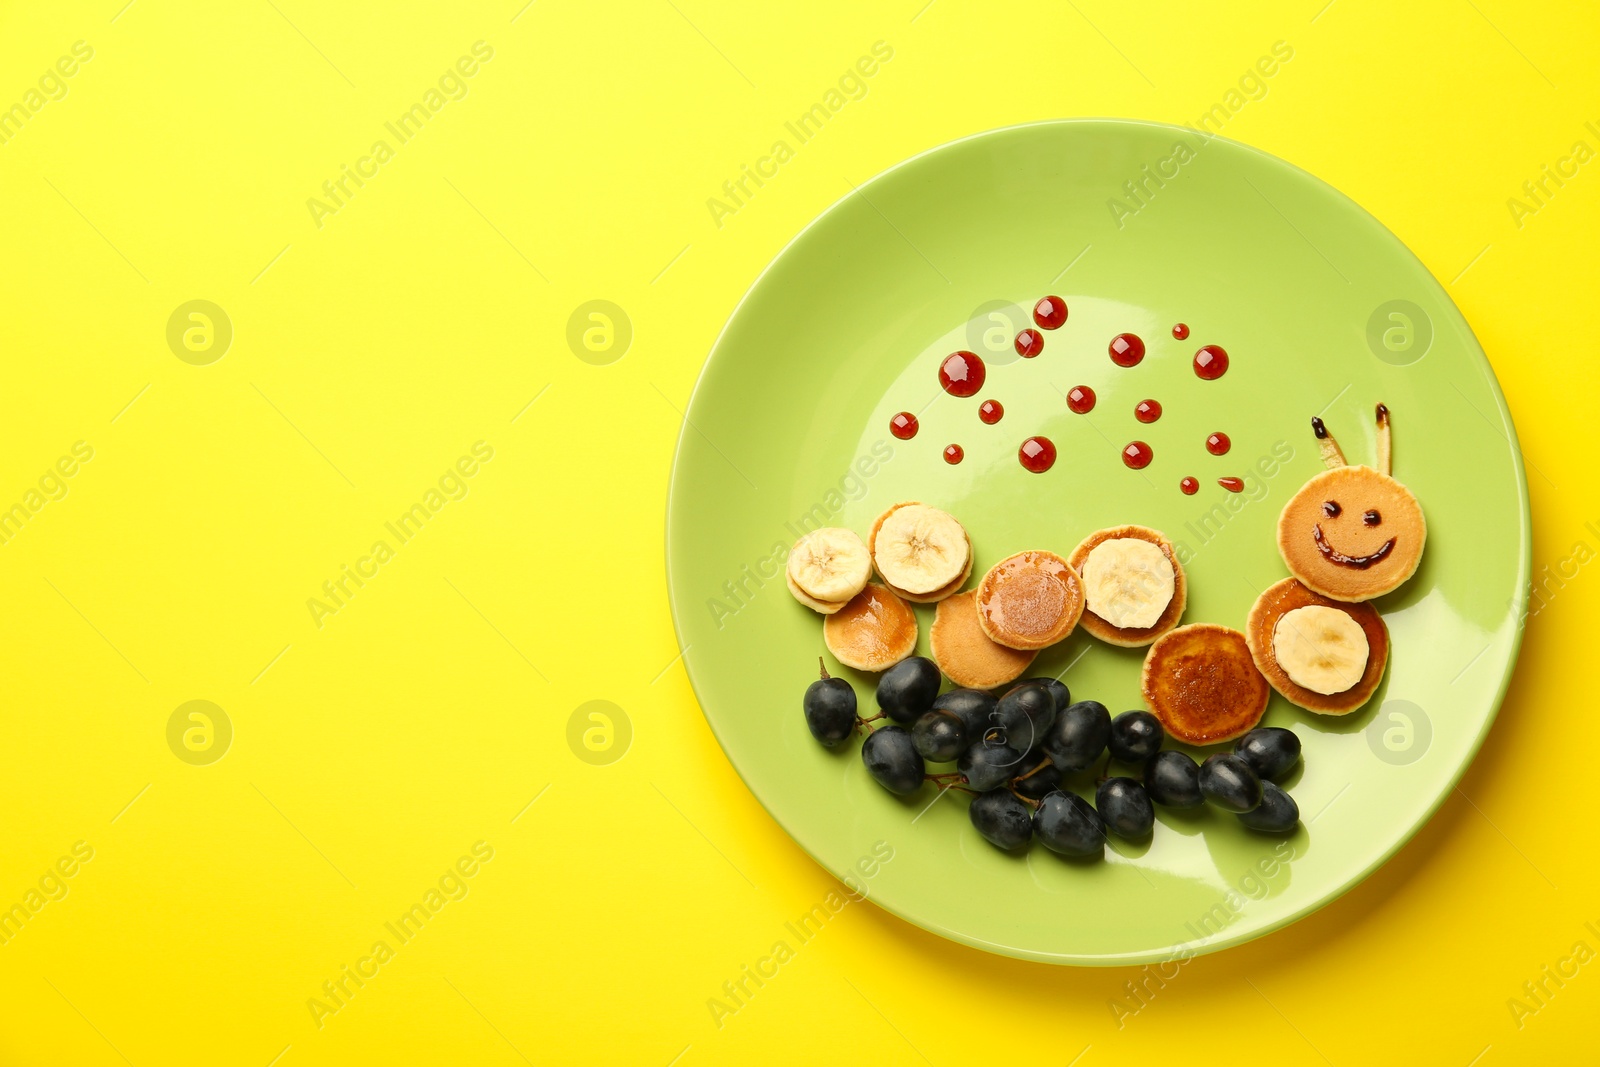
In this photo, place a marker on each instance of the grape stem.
(1104, 767)
(823, 667)
(1042, 765)
(1026, 800)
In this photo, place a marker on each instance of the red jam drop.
(1050, 313)
(1127, 350)
(1211, 362)
(1218, 444)
(1137, 455)
(1147, 410)
(904, 426)
(990, 411)
(953, 454)
(1189, 486)
(1030, 343)
(961, 373)
(1081, 399)
(1180, 331)
(1037, 454)
(1232, 485)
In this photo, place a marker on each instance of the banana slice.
(830, 565)
(1321, 648)
(1128, 582)
(822, 606)
(919, 549)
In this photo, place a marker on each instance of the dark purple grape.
(907, 689)
(1135, 736)
(1173, 780)
(1271, 751)
(1036, 776)
(1068, 824)
(939, 736)
(1078, 736)
(830, 707)
(1276, 814)
(893, 760)
(1125, 807)
(1003, 820)
(1024, 715)
(989, 763)
(1229, 783)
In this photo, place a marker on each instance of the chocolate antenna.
(1385, 441)
(1329, 448)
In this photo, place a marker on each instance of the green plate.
(1138, 226)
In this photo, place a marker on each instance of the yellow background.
(369, 354)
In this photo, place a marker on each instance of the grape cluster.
(1017, 753)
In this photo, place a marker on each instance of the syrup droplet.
(1050, 313)
(904, 426)
(1218, 444)
(1081, 399)
(990, 411)
(1030, 343)
(1180, 331)
(1037, 454)
(961, 374)
(953, 454)
(1137, 455)
(1189, 486)
(1211, 362)
(1232, 485)
(1127, 350)
(1147, 410)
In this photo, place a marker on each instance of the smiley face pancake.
(1352, 533)
(1318, 661)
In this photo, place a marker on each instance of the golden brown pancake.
(1288, 595)
(827, 607)
(1202, 683)
(1029, 601)
(873, 632)
(1352, 534)
(916, 598)
(965, 653)
(1130, 637)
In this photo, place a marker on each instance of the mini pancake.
(1352, 533)
(1289, 595)
(1129, 637)
(965, 653)
(873, 632)
(936, 595)
(827, 607)
(1202, 683)
(1029, 601)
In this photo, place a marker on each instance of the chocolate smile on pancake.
(1352, 533)
(1333, 555)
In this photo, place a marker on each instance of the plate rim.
(1518, 605)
